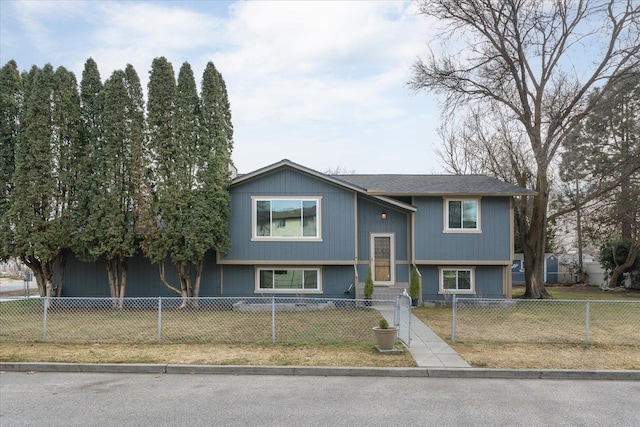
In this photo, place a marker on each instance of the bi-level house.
(297, 231)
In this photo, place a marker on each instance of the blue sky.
(322, 83)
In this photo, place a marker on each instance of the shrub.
(414, 284)
(368, 285)
(383, 324)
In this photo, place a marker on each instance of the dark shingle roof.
(381, 185)
(416, 185)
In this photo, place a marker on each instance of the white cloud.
(319, 82)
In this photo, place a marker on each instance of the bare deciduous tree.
(523, 64)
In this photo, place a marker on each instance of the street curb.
(130, 368)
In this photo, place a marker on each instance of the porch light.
(383, 215)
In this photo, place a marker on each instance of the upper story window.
(462, 215)
(286, 218)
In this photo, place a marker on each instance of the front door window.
(382, 246)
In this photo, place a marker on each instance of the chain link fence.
(183, 320)
(548, 321)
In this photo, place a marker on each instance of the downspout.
(412, 239)
(508, 283)
(356, 279)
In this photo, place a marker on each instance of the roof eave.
(288, 163)
(447, 194)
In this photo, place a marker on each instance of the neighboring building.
(551, 273)
(562, 269)
(296, 231)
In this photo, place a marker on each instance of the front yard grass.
(540, 355)
(350, 354)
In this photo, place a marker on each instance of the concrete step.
(385, 292)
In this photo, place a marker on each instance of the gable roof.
(327, 178)
(434, 185)
(384, 186)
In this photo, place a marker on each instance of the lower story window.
(457, 280)
(288, 280)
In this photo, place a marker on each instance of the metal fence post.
(273, 319)
(586, 339)
(159, 319)
(453, 319)
(44, 319)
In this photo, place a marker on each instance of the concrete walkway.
(428, 349)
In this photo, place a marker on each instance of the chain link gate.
(402, 318)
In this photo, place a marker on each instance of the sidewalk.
(428, 349)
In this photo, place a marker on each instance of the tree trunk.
(43, 272)
(63, 265)
(124, 269)
(112, 275)
(631, 257)
(163, 277)
(47, 271)
(38, 274)
(184, 273)
(534, 241)
(196, 287)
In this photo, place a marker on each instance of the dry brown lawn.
(205, 354)
(533, 355)
(485, 355)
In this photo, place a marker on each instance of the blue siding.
(89, 279)
(239, 280)
(337, 217)
(492, 244)
(488, 282)
(339, 232)
(370, 221)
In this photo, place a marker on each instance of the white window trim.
(392, 260)
(259, 290)
(254, 211)
(445, 224)
(443, 291)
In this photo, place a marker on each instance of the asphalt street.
(116, 399)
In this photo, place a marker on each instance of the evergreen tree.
(218, 129)
(190, 140)
(111, 223)
(167, 199)
(11, 93)
(67, 146)
(139, 152)
(38, 205)
(603, 158)
(89, 156)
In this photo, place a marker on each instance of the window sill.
(287, 291)
(456, 292)
(286, 239)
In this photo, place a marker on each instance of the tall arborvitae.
(111, 221)
(199, 218)
(37, 203)
(11, 93)
(191, 172)
(92, 106)
(163, 152)
(218, 130)
(67, 147)
(142, 210)
(174, 139)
